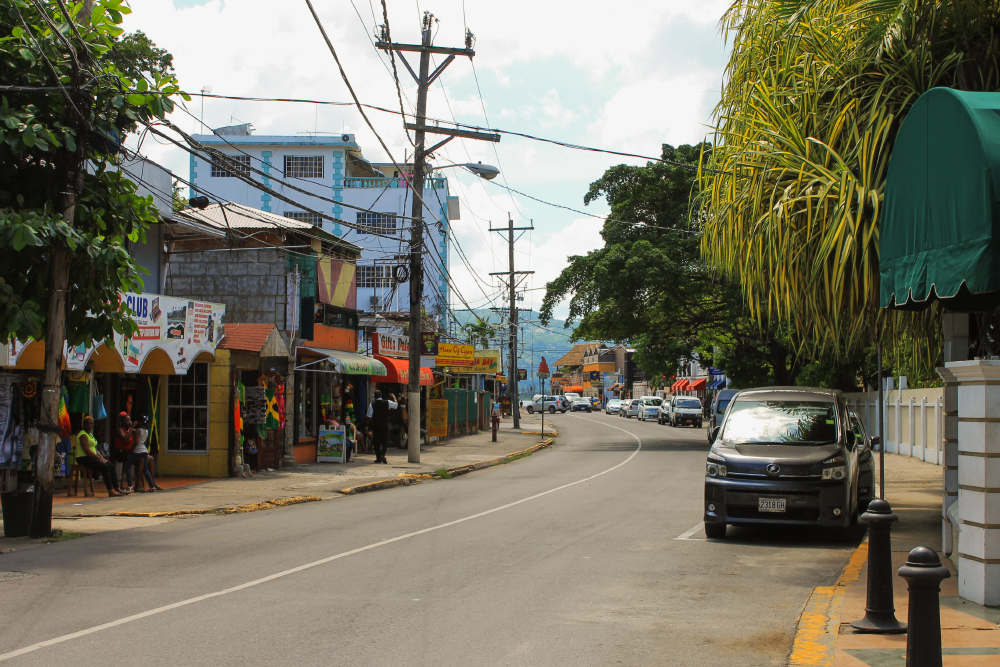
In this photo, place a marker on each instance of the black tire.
(715, 531)
(552, 409)
(530, 410)
(699, 425)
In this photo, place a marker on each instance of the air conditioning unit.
(374, 303)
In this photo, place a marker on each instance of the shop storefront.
(164, 374)
(394, 352)
(331, 386)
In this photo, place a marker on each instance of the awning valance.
(697, 385)
(681, 385)
(398, 371)
(573, 389)
(938, 237)
(347, 363)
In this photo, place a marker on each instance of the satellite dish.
(346, 138)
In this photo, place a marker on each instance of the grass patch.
(63, 536)
(443, 473)
(519, 456)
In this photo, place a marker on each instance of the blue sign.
(715, 371)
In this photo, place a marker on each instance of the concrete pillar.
(956, 348)
(978, 479)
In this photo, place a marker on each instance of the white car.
(681, 410)
(649, 408)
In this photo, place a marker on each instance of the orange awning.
(398, 372)
(573, 389)
(697, 385)
(682, 385)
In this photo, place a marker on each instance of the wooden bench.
(77, 473)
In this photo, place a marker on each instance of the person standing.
(378, 412)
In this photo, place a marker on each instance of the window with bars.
(302, 216)
(230, 166)
(187, 411)
(304, 166)
(380, 223)
(379, 275)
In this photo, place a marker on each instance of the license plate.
(771, 504)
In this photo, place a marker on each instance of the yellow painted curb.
(239, 509)
(462, 470)
(819, 624)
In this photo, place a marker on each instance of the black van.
(784, 455)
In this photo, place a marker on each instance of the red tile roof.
(249, 337)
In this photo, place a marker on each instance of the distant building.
(339, 180)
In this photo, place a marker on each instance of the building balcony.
(378, 183)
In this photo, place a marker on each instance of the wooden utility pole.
(512, 380)
(55, 325)
(424, 80)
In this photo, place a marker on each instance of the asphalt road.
(567, 557)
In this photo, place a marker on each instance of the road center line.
(323, 561)
(686, 535)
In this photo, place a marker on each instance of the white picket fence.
(913, 421)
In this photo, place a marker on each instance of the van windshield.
(652, 401)
(688, 403)
(780, 423)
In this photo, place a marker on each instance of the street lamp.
(487, 171)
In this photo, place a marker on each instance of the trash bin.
(17, 512)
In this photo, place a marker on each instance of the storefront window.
(187, 411)
(308, 422)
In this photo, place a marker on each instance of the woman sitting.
(87, 456)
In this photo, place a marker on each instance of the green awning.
(347, 363)
(940, 228)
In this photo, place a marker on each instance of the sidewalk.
(970, 633)
(302, 483)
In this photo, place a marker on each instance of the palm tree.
(815, 92)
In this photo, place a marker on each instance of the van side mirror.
(715, 433)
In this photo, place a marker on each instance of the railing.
(390, 183)
(914, 421)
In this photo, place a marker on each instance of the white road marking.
(686, 535)
(301, 568)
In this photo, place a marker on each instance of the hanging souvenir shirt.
(8, 457)
(64, 423)
(256, 405)
(281, 404)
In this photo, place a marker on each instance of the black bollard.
(880, 611)
(924, 573)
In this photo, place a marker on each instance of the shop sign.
(522, 373)
(181, 328)
(437, 417)
(391, 345)
(452, 354)
(595, 376)
(429, 343)
(502, 379)
(330, 445)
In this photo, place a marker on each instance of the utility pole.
(512, 287)
(420, 128)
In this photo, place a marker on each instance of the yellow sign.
(502, 379)
(451, 354)
(437, 417)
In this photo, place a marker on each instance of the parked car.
(866, 464)
(612, 406)
(649, 407)
(629, 408)
(571, 396)
(682, 410)
(582, 405)
(551, 404)
(787, 455)
(718, 409)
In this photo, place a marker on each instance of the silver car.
(550, 404)
(630, 408)
(613, 406)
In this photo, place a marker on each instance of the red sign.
(543, 370)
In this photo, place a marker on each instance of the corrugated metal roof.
(238, 216)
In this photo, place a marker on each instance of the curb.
(253, 507)
(406, 480)
(819, 623)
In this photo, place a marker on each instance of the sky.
(626, 77)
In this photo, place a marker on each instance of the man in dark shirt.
(378, 411)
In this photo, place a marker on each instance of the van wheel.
(715, 531)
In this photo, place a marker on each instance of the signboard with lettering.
(437, 417)
(453, 354)
(428, 343)
(522, 373)
(181, 328)
(391, 345)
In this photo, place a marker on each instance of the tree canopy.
(72, 88)
(815, 92)
(647, 284)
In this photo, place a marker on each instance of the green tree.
(479, 332)
(64, 226)
(647, 284)
(815, 92)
